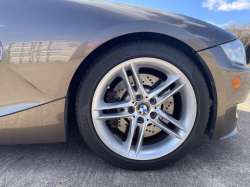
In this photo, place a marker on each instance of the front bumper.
(223, 72)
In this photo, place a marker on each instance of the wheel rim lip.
(165, 146)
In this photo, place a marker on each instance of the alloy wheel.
(133, 109)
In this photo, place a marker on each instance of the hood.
(208, 33)
(80, 20)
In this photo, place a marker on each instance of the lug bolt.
(140, 120)
(152, 101)
(131, 109)
(139, 97)
(153, 115)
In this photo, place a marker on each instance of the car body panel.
(223, 72)
(45, 41)
(42, 124)
(44, 46)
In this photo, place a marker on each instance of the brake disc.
(148, 82)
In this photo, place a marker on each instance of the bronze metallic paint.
(223, 72)
(45, 41)
(42, 124)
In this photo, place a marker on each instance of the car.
(143, 85)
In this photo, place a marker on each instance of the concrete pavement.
(212, 163)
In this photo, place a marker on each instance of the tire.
(98, 140)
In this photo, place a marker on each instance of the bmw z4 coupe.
(142, 84)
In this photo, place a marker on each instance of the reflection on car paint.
(44, 51)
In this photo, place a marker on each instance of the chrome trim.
(234, 132)
(16, 108)
(24, 106)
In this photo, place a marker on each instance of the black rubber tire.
(120, 54)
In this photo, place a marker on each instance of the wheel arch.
(70, 117)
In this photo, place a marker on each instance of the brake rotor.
(148, 82)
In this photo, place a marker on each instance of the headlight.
(235, 52)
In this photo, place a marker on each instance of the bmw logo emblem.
(143, 108)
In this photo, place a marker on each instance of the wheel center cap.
(143, 108)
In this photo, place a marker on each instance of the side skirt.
(42, 124)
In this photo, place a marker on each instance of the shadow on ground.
(211, 163)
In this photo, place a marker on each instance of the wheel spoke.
(124, 114)
(137, 78)
(142, 129)
(171, 119)
(171, 79)
(108, 106)
(131, 133)
(166, 129)
(164, 97)
(127, 84)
